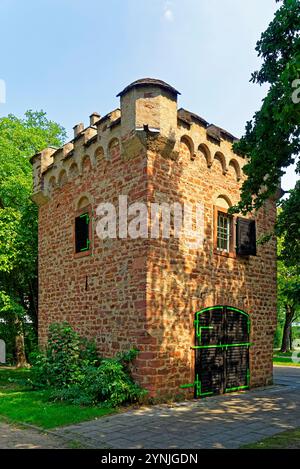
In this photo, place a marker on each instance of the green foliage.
(288, 297)
(19, 140)
(8, 332)
(288, 279)
(127, 357)
(70, 365)
(19, 404)
(110, 384)
(288, 227)
(272, 138)
(285, 440)
(277, 336)
(65, 358)
(296, 332)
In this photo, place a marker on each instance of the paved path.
(227, 421)
(218, 422)
(12, 437)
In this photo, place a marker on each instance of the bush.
(110, 383)
(70, 365)
(65, 358)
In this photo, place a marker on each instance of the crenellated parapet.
(148, 120)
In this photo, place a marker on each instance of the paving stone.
(249, 438)
(119, 443)
(135, 436)
(231, 445)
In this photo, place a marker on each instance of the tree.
(288, 296)
(272, 143)
(20, 139)
(272, 138)
(288, 227)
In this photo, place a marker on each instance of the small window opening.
(223, 232)
(82, 233)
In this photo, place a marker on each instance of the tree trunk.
(289, 315)
(20, 344)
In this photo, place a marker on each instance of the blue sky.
(70, 57)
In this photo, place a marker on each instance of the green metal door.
(221, 350)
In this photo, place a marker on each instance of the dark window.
(245, 237)
(82, 233)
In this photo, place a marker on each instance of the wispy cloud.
(2, 92)
(168, 12)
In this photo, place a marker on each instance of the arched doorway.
(222, 341)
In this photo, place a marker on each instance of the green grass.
(285, 440)
(285, 363)
(20, 404)
(277, 353)
(280, 358)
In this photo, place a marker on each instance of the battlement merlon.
(40, 162)
(148, 112)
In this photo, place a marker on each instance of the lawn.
(280, 358)
(20, 404)
(284, 440)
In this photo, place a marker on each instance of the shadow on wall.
(182, 280)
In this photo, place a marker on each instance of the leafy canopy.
(288, 227)
(272, 138)
(288, 282)
(19, 140)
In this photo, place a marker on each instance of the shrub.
(65, 358)
(70, 365)
(110, 383)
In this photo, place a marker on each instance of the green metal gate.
(221, 351)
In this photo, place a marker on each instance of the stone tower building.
(202, 315)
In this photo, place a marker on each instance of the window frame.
(231, 252)
(87, 209)
(239, 223)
